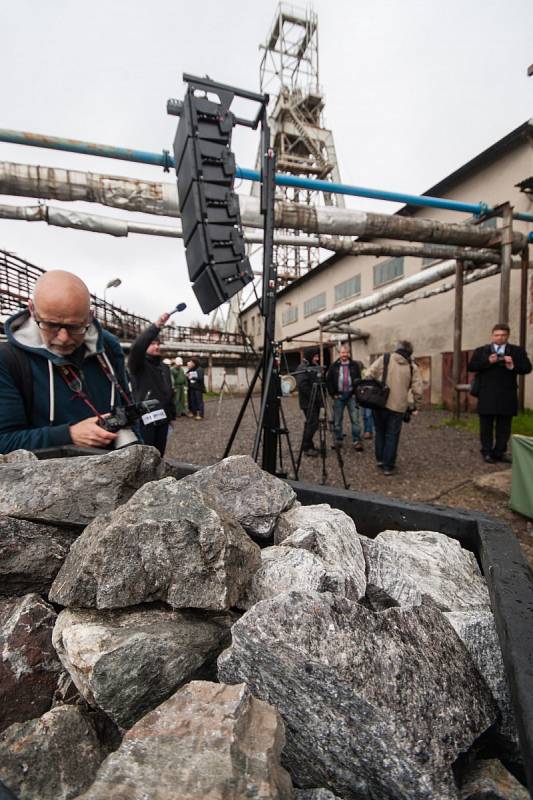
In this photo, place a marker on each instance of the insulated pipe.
(398, 289)
(166, 161)
(161, 198)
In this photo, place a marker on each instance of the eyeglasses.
(55, 327)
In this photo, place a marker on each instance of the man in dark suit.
(496, 366)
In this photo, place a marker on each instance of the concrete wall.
(427, 322)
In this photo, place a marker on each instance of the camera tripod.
(325, 423)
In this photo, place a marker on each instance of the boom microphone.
(179, 307)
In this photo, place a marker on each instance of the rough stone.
(54, 757)
(497, 483)
(17, 456)
(206, 741)
(314, 794)
(239, 486)
(30, 555)
(163, 544)
(489, 780)
(331, 535)
(29, 666)
(127, 662)
(75, 490)
(413, 567)
(282, 569)
(375, 705)
(477, 631)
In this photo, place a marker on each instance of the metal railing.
(18, 278)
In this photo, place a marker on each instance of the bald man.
(60, 372)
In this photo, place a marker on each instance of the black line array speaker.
(210, 216)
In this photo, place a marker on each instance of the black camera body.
(123, 417)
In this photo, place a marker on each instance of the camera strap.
(74, 383)
(113, 378)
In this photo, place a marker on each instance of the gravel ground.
(436, 463)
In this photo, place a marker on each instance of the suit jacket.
(497, 384)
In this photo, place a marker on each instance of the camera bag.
(371, 393)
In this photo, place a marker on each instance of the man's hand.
(88, 433)
(493, 358)
(509, 363)
(414, 413)
(162, 319)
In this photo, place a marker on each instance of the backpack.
(18, 364)
(370, 393)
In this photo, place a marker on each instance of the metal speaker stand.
(271, 424)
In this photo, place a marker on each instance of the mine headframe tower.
(303, 145)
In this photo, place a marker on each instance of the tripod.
(325, 423)
(224, 387)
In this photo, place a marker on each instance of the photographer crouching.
(308, 373)
(151, 379)
(60, 372)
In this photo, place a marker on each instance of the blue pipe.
(166, 161)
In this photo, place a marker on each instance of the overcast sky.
(413, 88)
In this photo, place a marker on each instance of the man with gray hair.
(405, 398)
(60, 372)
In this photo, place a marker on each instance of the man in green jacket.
(179, 382)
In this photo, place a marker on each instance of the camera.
(500, 357)
(123, 417)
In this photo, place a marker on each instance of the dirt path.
(436, 463)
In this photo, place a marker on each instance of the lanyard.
(74, 383)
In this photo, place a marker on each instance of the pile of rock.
(211, 637)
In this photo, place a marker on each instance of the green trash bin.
(522, 479)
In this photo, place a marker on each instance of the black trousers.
(494, 433)
(387, 429)
(311, 425)
(156, 436)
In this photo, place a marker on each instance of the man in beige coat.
(405, 384)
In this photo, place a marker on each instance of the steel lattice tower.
(303, 145)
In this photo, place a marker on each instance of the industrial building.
(503, 173)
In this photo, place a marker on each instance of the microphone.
(179, 307)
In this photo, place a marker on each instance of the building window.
(388, 271)
(348, 288)
(245, 325)
(315, 304)
(288, 315)
(231, 371)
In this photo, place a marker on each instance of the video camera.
(123, 417)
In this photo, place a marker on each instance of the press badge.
(154, 416)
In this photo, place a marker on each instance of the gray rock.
(30, 555)
(52, 758)
(239, 486)
(75, 490)
(163, 544)
(331, 535)
(314, 794)
(477, 630)
(283, 569)
(29, 667)
(17, 456)
(127, 662)
(489, 780)
(206, 741)
(413, 567)
(375, 705)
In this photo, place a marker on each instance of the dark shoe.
(379, 464)
(358, 446)
(488, 459)
(312, 452)
(337, 445)
(504, 459)
(389, 471)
